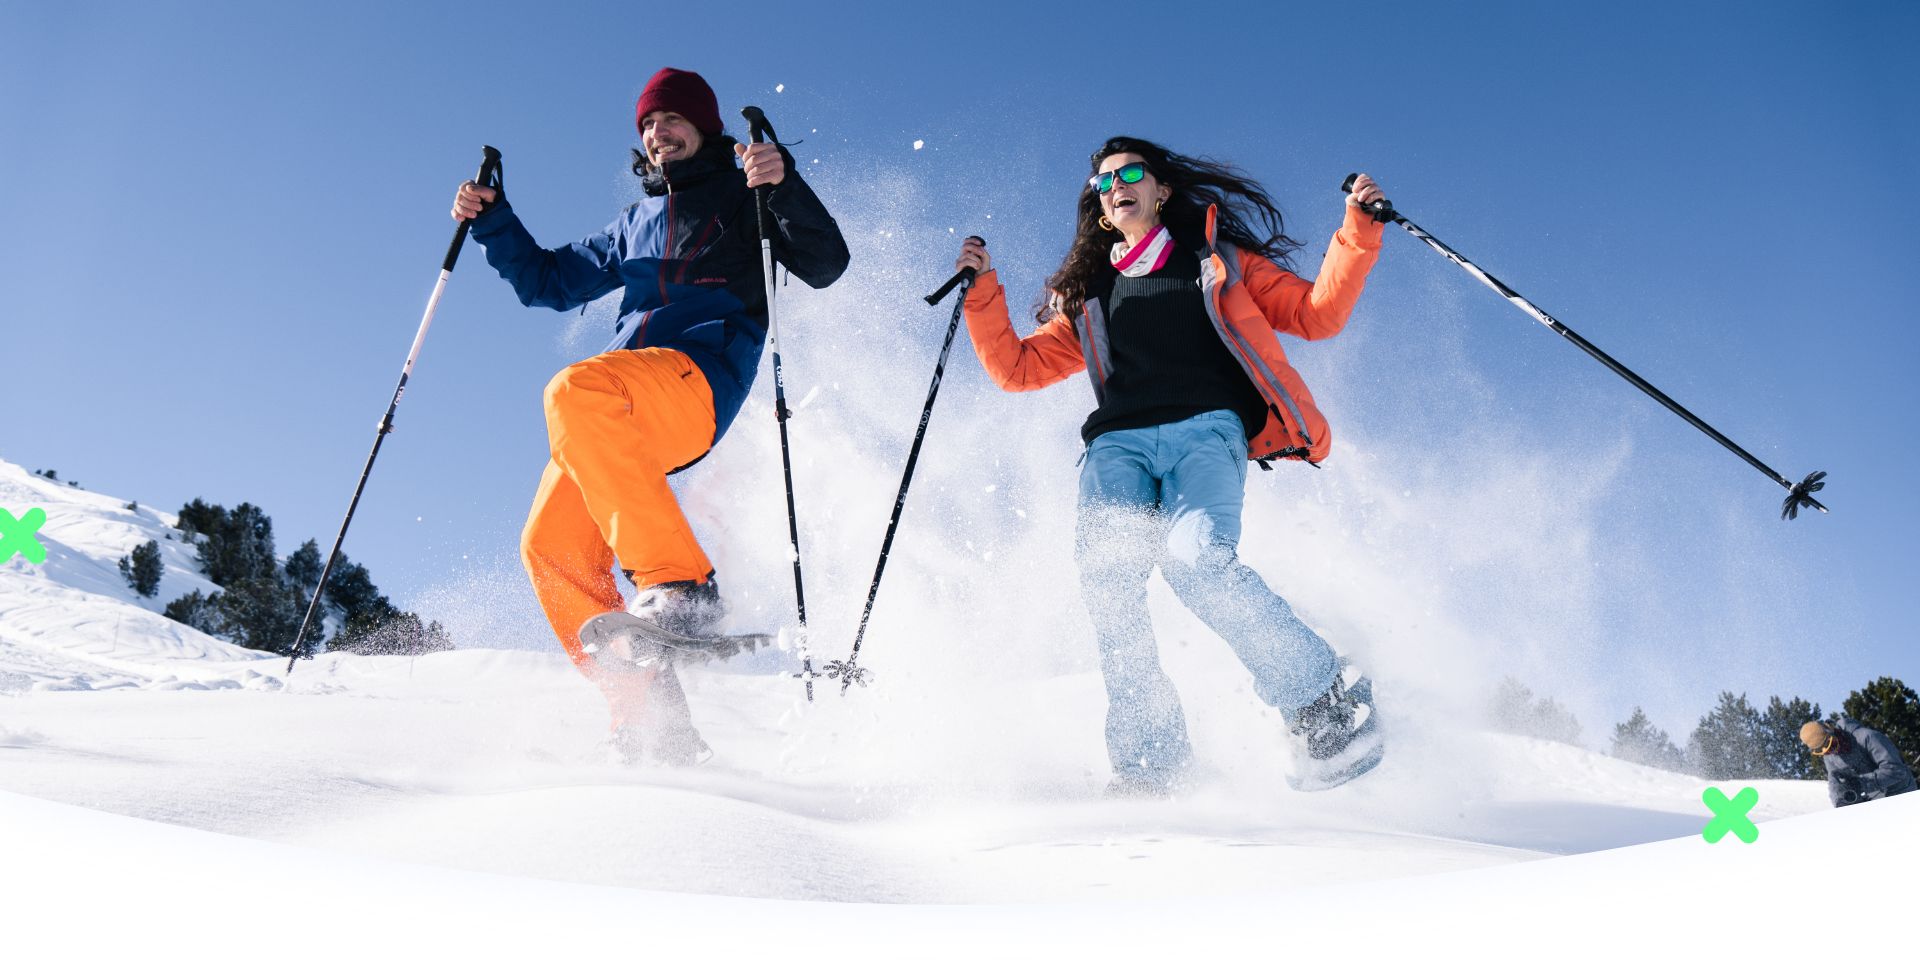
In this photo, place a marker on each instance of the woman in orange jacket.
(1170, 300)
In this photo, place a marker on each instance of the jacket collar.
(715, 158)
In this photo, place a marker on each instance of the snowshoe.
(1337, 738)
(639, 641)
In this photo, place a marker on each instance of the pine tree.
(1512, 706)
(351, 589)
(1727, 743)
(1890, 707)
(304, 566)
(143, 568)
(1515, 711)
(198, 611)
(199, 517)
(1780, 739)
(262, 613)
(1638, 741)
(1555, 723)
(401, 633)
(239, 547)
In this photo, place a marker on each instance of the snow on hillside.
(924, 788)
(73, 623)
(1673, 901)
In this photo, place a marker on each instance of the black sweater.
(1168, 362)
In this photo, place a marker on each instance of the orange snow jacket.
(1248, 298)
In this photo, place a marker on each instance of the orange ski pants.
(617, 424)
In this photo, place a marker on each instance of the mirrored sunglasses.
(1127, 173)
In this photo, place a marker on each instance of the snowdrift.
(940, 784)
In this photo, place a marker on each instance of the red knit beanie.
(683, 92)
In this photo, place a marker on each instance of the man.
(692, 322)
(1862, 765)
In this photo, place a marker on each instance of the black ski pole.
(1798, 494)
(489, 176)
(759, 130)
(849, 671)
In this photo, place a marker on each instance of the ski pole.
(759, 130)
(1798, 494)
(849, 671)
(489, 176)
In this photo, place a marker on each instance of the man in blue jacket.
(692, 321)
(1862, 765)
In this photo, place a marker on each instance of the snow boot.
(1337, 738)
(635, 746)
(680, 606)
(1138, 788)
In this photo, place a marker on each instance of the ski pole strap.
(964, 275)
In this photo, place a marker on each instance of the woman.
(1170, 299)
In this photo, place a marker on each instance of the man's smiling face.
(667, 136)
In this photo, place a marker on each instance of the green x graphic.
(16, 536)
(1730, 816)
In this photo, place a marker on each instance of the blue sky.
(223, 221)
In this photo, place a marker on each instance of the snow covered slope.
(73, 623)
(943, 782)
(1674, 901)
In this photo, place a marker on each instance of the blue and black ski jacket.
(688, 255)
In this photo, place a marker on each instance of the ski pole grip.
(489, 177)
(1381, 210)
(964, 275)
(758, 129)
(489, 165)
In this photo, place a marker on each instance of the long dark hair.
(1248, 219)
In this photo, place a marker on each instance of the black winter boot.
(1337, 738)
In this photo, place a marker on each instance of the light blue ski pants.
(1171, 495)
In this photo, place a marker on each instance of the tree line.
(261, 602)
(1734, 740)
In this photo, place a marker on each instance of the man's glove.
(1855, 788)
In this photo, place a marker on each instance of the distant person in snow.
(684, 352)
(1862, 765)
(1170, 297)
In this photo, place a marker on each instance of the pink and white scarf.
(1146, 257)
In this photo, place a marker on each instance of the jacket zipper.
(1219, 313)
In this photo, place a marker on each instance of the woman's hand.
(762, 163)
(973, 254)
(1365, 192)
(469, 200)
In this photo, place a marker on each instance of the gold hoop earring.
(1104, 223)
(1159, 205)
